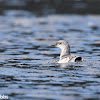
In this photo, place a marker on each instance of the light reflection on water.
(25, 52)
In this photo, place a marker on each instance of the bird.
(65, 55)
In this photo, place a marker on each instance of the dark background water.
(27, 30)
(53, 6)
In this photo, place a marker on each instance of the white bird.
(65, 55)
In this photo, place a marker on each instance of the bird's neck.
(65, 52)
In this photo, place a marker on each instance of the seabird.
(65, 55)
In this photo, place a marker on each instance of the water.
(27, 70)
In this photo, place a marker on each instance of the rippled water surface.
(27, 70)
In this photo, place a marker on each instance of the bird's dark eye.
(60, 43)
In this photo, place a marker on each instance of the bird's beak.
(54, 45)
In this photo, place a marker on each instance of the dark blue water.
(27, 70)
